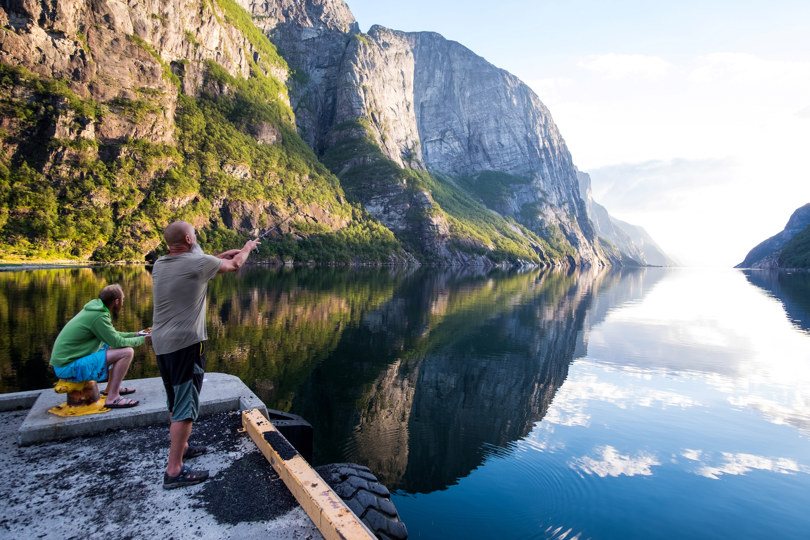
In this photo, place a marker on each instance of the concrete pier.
(101, 475)
(220, 393)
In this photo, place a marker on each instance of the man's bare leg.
(179, 433)
(185, 446)
(118, 362)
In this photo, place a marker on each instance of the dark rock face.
(120, 77)
(763, 255)
(91, 44)
(435, 105)
(473, 117)
(312, 36)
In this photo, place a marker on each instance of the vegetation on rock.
(796, 252)
(237, 168)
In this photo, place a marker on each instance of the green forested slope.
(235, 167)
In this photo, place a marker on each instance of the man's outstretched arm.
(230, 254)
(234, 259)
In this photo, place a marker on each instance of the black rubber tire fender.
(367, 498)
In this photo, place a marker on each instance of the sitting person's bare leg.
(118, 362)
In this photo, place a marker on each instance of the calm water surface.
(643, 403)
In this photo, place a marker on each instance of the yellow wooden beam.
(323, 506)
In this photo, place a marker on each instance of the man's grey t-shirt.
(180, 290)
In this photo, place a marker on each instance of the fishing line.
(268, 231)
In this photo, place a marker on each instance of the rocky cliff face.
(632, 241)
(312, 36)
(431, 104)
(114, 51)
(766, 253)
(381, 104)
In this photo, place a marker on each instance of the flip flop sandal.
(116, 403)
(193, 451)
(187, 477)
(121, 391)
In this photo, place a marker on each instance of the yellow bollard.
(82, 398)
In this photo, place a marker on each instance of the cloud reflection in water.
(609, 462)
(723, 340)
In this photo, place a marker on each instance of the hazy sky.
(692, 117)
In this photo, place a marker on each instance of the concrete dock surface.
(105, 480)
(220, 393)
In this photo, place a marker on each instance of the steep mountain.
(120, 116)
(459, 158)
(632, 241)
(790, 248)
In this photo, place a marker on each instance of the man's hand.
(234, 259)
(230, 254)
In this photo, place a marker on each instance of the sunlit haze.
(692, 118)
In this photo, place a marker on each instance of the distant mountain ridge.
(632, 241)
(786, 249)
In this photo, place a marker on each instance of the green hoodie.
(86, 332)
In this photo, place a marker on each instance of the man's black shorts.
(182, 373)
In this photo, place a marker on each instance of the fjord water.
(644, 403)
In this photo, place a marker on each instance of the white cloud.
(740, 464)
(700, 211)
(551, 88)
(609, 462)
(693, 455)
(569, 407)
(794, 413)
(659, 184)
(736, 68)
(711, 146)
(571, 415)
(625, 66)
(682, 317)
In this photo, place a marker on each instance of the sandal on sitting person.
(187, 477)
(121, 403)
(193, 451)
(121, 391)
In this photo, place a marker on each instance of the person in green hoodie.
(89, 348)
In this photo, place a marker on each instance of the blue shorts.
(92, 367)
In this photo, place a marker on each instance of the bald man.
(180, 286)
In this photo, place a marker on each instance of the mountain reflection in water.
(790, 288)
(415, 373)
(451, 366)
(631, 403)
